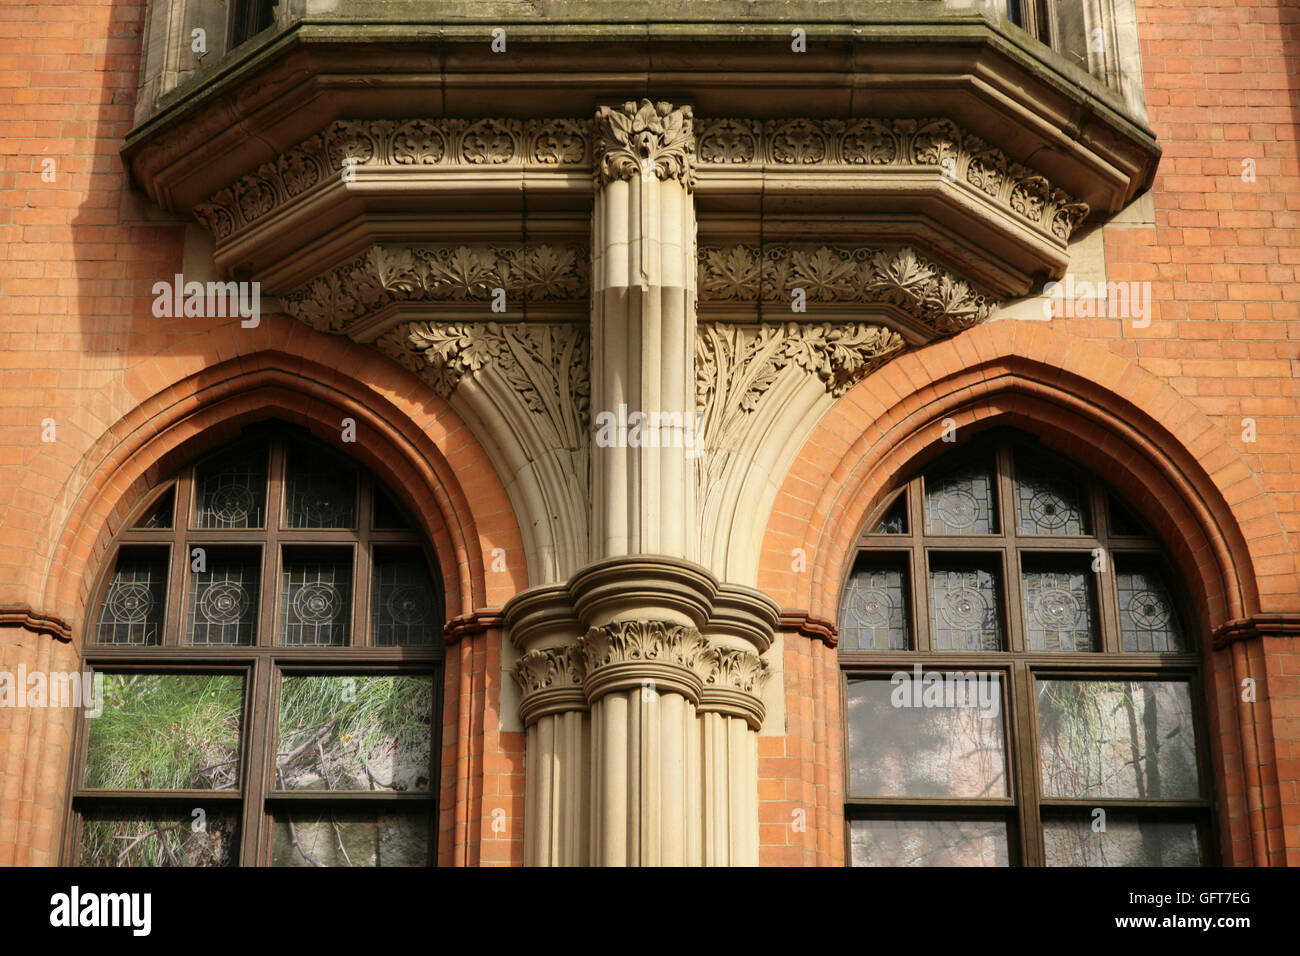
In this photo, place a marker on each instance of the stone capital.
(653, 655)
(645, 140)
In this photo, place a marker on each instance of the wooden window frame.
(1024, 808)
(263, 664)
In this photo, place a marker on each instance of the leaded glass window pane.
(960, 500)
(387, 514)
(159, 514)
(893, 521)
(927, 735)
(132, 610)
(1127, 840)
(232, 492)
(1060, 610)
(965, 607)
(1148, 620)
(1125, 739)
(315, 597)
(1048, 504)
(910, 842)
(351, 837)
(403, 603)
(160, 836)
(320, 493)
(355, 732)
(166, 732)
(223, 597)
(874, 612)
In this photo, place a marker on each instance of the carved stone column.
(643, 330)
(553, 708)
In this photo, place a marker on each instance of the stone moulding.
(929, 295)
(643, 139)
(503, 143)
(387, 274)
(866, 142)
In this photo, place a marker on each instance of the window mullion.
(919, 567)
(259, 758)
(1023, 734)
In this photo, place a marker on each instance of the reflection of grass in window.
(158, 841)
(163, 731)
(354, 733)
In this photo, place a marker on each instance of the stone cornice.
(931, 299)
(643, 140)
(39, 622)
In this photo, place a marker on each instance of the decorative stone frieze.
(388, 274)
(867, 142)
(644, 140)
(491, 142)
(925, 292)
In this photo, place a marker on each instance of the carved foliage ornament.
(659, 642)
(547, 143)
(845, 274)
(545, 365)
(645, 139)
(552, 668)
(386, 274)
(960, 156)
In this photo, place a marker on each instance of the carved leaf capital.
(645, 139)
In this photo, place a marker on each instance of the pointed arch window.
(267, 647)
(1020, 677)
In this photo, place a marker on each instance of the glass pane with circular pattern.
(1128, 839)
(231, 491)
(965, 606)
(912, 842)
(1047, 503)
(1124, 739)
(1060, 610)
(1148, 619)
(355, 732)
(316, 597)
(132, 609)
(320, 492)
(960, 500)
(223, 596)
(403, 603)
(932, 734)
(165, 732)
(873, 616)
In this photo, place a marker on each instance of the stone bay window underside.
(726, 242)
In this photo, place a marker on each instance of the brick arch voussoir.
(208, 409)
